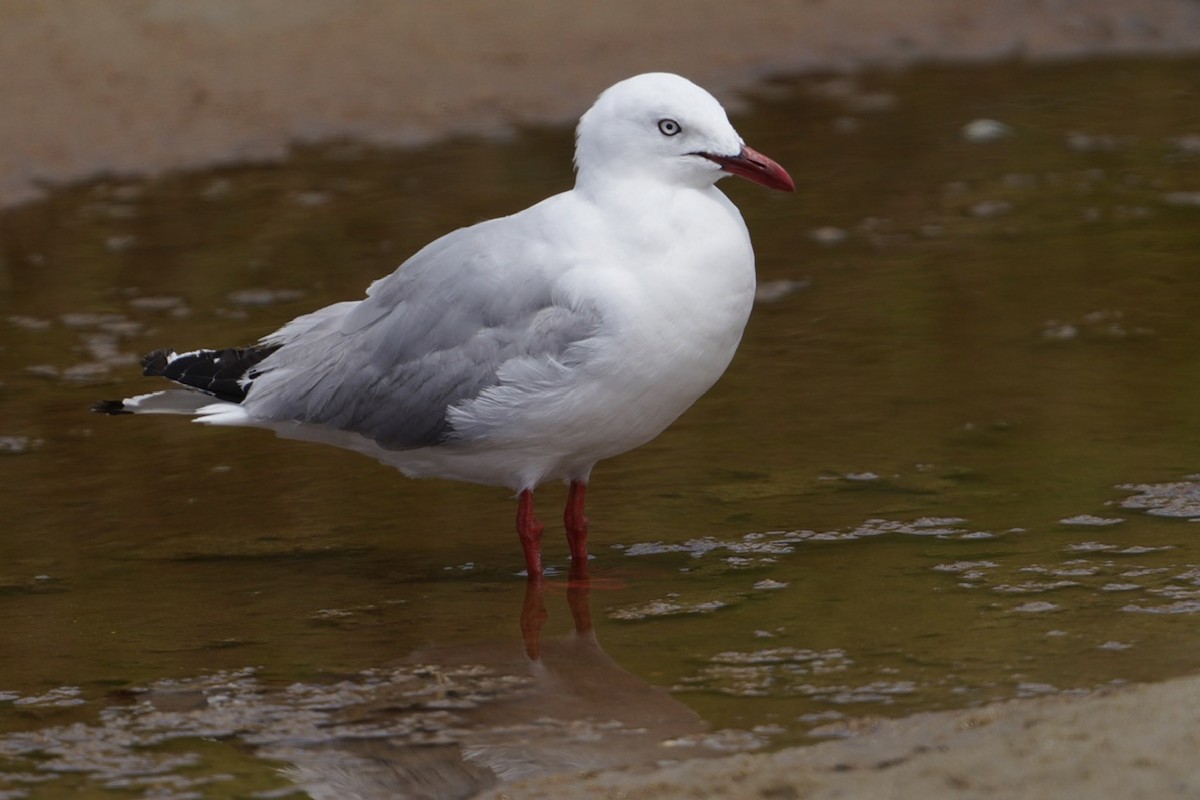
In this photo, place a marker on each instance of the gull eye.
(668, 127)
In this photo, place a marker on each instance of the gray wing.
(432, 334)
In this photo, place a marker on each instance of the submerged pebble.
(264, 297)
(1093, 142)
(986, 209)
(1037, 607)
(986, 130)
(217, 189)
(18, 445)
(1178, 607)
(1175, 499)
(119, 244)
(965, 566)
(1030, 587)
(59, 698)
(767, 584)
(1055, 331)
(86, 373)
(828, 235)
(1103, 324)
(43, 370)
(29, 323)
(1184, 199)
(728, 741)
(156, 303)
(774, 291)
(1188, 143)
(666, 608)
(312, 199)
(1090, 521)
(787, 671)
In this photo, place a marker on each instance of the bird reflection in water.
(533, 610)
(570, 708)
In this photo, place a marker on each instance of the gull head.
(659, 126)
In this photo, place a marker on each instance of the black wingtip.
(110, 407)
(225, 374)
(154, 363)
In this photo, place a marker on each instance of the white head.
(663, 127)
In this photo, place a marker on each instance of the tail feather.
(110, 407)
(224, 374)
(168, 401)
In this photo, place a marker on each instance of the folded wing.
(435, 333)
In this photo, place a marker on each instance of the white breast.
(674, 308)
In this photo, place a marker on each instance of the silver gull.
(528, 347)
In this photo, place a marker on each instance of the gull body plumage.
(529, 347)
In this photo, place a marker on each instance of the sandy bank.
(139, 86)
(1139, 742)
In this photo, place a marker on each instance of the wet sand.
(136, 87)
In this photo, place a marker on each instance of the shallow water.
(952, 463)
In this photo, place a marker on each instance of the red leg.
(530, 531)
(576, 523)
